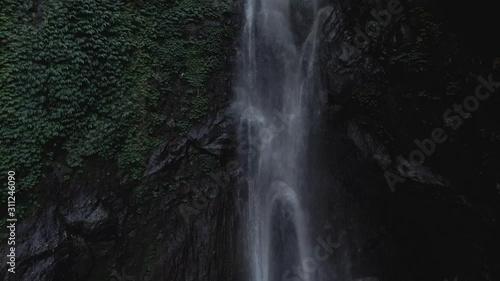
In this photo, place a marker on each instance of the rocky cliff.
(388, 87)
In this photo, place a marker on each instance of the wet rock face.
(105, 227)
(408, 234)
(47, 250)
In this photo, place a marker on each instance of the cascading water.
(276, 77)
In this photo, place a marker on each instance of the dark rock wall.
(442, 221)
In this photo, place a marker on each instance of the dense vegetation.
(86, 79)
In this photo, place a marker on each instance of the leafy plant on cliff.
(368, 95)
(86, 79)
(418, 57)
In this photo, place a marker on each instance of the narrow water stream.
(276, 78)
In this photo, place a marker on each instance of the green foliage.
(12, 33)
(67, 88)
(412, 61)
(183, 126)
(150, 258)
(209, 163)
(368, 95)
(87, 78)
(187, 43)
(429, 32)
(199, 107)
(418, 58)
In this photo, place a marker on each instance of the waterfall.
(276, 78)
